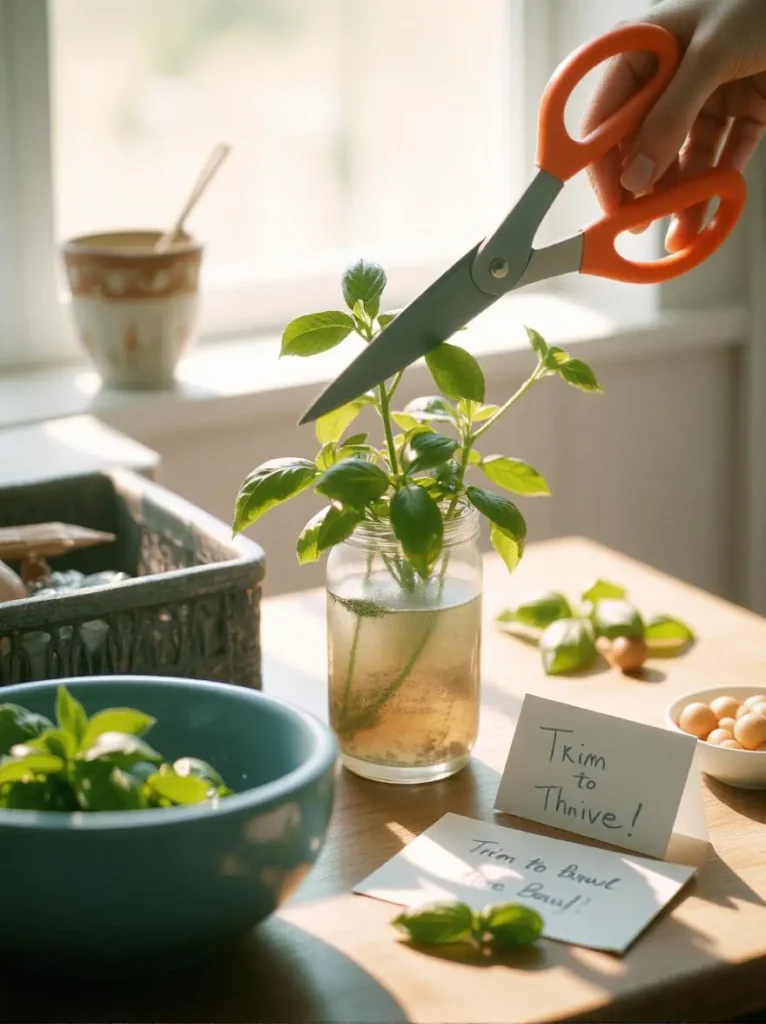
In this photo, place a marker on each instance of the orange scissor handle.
(601, 259)
(557, 152)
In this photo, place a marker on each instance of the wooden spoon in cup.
(206, 175)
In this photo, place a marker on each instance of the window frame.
(33, 327)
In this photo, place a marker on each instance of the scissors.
(506, 260)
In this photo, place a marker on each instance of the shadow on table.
(280, 974)
(750, 803)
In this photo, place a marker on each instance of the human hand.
(713, 112)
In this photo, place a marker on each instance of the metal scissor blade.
(444, 307)
(564, 257)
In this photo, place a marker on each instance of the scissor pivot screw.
(498, 268)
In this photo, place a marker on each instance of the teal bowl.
(147, 890)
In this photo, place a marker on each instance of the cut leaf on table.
(567, 645)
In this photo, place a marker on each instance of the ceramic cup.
(134, 309)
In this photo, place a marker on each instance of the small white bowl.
(745, 769)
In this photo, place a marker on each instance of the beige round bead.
(731, 745)
(717, 736)
(750, 731)
(727, 723)
(755, 699)
(724, 707)
(698, 720)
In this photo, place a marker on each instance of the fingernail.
(671, 242)
(637, 177)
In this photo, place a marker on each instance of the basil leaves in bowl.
(183, 837)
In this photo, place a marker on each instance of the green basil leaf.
(554, 358)
(17, 725)
(511, 925)
(331, 452)
(603, 588)
(448, 477)
(613, 618)
(361, 318)
(426, 450)
(417, 525)
(384, 319)
(354, 440)
(28, 765)
(353, 482)
(55, 741)
(538, 612)
(59, 793)
(404, 420)
(514, 475)
(437, 925)
(29, 796)
(573, 371)
(100, 786)
(510, 549)
(330, 526)
(192, 767)
(666, 628)
(567, 645)
(508, 531)
(431, 409)
(125, 720)
(537, 342)
(498, 510)
(579, 374)
(120, 749)
(331, 426)
(475, 411)
(270, 484)
(179, 789)
(456, 372)
(328, 456)
(364, 281)
(316, 332)
(70, 714)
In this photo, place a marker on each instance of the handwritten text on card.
(596, 775)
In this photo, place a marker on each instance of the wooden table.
(332, 956)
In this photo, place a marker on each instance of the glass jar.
(404, 653)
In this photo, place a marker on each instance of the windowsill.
(244, 380)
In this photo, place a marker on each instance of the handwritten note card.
(627, 784)
(585, 896)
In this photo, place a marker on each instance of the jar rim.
(463, 527)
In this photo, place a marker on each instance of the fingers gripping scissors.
(506, 260)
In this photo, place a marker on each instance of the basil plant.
(414, 476)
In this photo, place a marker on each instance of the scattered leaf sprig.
(495, 928)
(100, 763)
(570, 634)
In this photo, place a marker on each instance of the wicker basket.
(191, 610)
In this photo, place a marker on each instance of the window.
(374, 128)
(400, 130)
